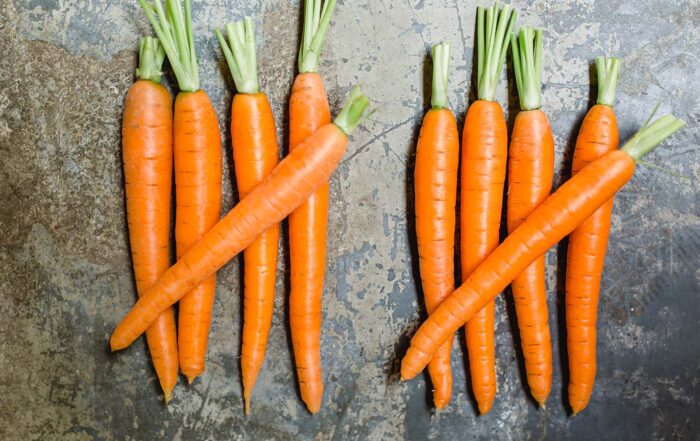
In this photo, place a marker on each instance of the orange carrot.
(483, 175)
(197, 174)
(255, 154)
(437, 163)
(308, 111)
(296, 177)
(556, 217)
(147, 142)
(530, 174)
(598, 136)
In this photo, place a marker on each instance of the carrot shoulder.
(556, 217)
(483, 174)
(288, 186)
(147, 150)
(308, 111)
(587, 243)
(255, 155)
(437, 163)
(530, 174)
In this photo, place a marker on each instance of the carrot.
(147, 149)
(197, 173)
(587, 243)
(255, 154)
(530, 174)
(291, 183)
(483, 175)
(308, 111)
(437, 163)
(555, 218)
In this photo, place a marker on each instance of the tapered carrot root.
(308, 110)
(556, 217)
(147, 142)
(255, 155)
(198, 196)
(483, 175)
(197, 147)
(587, 244)
(437, 163)
(530, 174)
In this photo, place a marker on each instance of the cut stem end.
(352, 112)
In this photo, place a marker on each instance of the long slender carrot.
(483, 175)
(197, 173)
(308, 111)
(437, 164)
(530, 174)
(556, 217)
(587, 243)
(290, 184)
(147, 149)
(255, 155)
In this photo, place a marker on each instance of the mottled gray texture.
(65, 276)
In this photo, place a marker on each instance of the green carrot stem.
(351, 114)
(441, 63)
(651, 135)
(151, 55)
(174, 30)
(608, 70)
(316, 23)
(527, 63)
(240, 55)
(494, 27)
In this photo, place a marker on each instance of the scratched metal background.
(65, 275)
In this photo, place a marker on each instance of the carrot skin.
(198, 208)
(556, 217)
(585, 260)
(483, 175)
(255, 155)
(147, 139)
(437, 163)
(308, 111)
(288, 186)
(530, 175)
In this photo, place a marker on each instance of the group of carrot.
(536, 218)
(158, 137)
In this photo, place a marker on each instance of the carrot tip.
(485, 407)
(167, 396)
(543, 406)
(190, 378)
(246, 403)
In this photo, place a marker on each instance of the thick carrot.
(147, 149)
(483, 175)
(290, 184)
(255, 155)
(308, 111)
(587, 243)
(437, 164)
(197, 174)
(556, 217)
(530, 174)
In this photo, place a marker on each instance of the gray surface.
(65, 275)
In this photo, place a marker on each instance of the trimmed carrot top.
(441, 64)
(493, 28)
(608, 70)
(527, 64)
(316, 21)
(651, 135)
(151, 55)
(240, 55)
(174, 29)
(350, 116)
